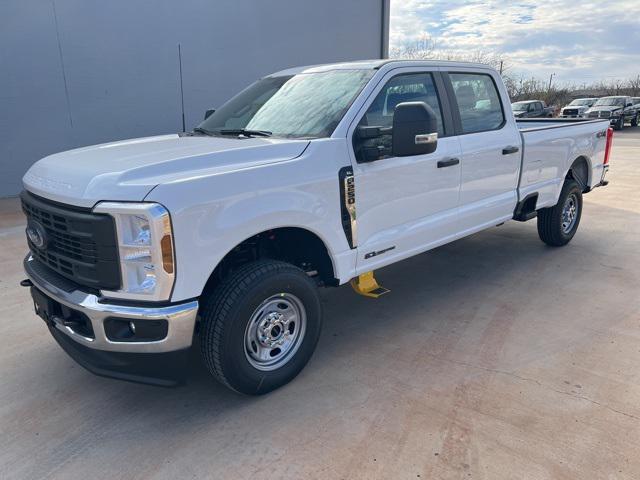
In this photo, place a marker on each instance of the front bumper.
(84, 327)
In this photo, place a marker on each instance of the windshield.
(303, 105)
(635, 100)
(581, 103)
(519, 107)
(610, 101)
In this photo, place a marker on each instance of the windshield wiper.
(203, 131)
(246, 133)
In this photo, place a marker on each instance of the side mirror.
(415, 129)
(209, 112)
(629, 104)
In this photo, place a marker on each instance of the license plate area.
(45, 307)
(53, 312)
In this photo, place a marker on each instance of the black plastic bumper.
(166, 369)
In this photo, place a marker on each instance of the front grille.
(79, 245)
(570, 111)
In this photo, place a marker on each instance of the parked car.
(311, 177)
(532, 109)
(577, 108)
(635, 101)
(618, 109)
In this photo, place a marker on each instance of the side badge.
(348, 205)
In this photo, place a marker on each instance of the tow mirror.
(415, 129)
(209, 112)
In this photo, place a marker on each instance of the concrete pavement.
(493, 357)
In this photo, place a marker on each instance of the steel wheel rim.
(569, 213)
(275, 331)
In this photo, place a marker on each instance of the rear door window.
(478, 102)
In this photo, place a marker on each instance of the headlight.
(145, 245)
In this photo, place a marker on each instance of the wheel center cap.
(272, 330)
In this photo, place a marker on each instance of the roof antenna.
(181, 87)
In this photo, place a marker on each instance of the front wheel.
(620, 123)
(634, 122)
(260, 326)
(558, 224)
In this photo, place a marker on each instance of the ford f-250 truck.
(313, 176)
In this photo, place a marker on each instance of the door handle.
(449, 162)
(510, 149)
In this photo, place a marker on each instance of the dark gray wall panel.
(79, 72)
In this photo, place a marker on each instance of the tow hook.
(26, 283)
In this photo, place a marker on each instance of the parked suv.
(618, 109)
(577, 108)
(531, 109)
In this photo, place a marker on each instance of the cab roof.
(376, 64)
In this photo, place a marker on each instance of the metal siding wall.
(80, 72)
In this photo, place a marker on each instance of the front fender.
(211, 215)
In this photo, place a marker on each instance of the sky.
(578, 41)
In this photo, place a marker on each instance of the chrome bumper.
(181, 318)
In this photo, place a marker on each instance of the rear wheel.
(260, 326)
(558, 224)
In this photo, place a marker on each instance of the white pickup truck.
(310, 177)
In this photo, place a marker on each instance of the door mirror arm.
(365, 132)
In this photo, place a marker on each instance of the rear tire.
(558, 224)
(260, 326)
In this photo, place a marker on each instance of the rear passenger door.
(490, 144)
(404, 204)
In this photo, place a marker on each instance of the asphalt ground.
(493, 357)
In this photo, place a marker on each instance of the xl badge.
(37, 234)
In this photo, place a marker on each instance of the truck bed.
(550, 146)
(530, 124)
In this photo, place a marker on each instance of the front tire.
(620, 123)
(558, 224)
(260, 326)
(634, 122)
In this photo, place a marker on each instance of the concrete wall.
(80, 72)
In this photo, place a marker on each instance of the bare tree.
(518, 88)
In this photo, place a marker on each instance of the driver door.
(405, 205)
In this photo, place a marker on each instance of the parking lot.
(493, 357)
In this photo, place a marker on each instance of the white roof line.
(375, 64)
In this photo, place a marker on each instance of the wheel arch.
(300, 246)
(581, 171)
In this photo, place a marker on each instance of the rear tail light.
(607, 147)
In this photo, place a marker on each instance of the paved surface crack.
(540, 384)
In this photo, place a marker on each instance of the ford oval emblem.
(37, 235)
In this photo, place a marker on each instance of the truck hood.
(580, 108)
(605, 108)
(129, 169)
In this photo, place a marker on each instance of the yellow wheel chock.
(367, 285)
